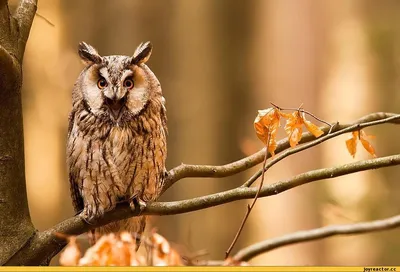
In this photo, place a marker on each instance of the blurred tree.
(286, 70)
(383, 38)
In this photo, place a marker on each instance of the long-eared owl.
(117, 131)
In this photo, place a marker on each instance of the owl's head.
(114, 86)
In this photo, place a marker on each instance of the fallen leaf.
(162, 253)
(232, 262)
(71, 254)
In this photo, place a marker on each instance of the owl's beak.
(115, 106)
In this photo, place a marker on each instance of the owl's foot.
(165, 173)
(91, 214)
(134, 202)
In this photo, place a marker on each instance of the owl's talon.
(142, 205)
(89, 220)
(137, 202)
(166, 173)
(91, 214)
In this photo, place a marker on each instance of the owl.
(116, 147)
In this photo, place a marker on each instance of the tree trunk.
(15, 225)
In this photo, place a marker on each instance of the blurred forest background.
(218, 63)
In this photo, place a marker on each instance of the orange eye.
(128, 83)
(102, 83)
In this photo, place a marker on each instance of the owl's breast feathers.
(111, 162)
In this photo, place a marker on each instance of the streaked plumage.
(116, 146)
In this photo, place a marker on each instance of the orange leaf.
(315, 130)
(351, 145)
(284, 115)
(266, 126)
(71, 254)
(232, 262)
(294, 125)
(295, 136)
(293, 128)
(366, 144)
(163, 253)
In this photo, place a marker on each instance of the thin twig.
(250, 207)
(300, 109)
(45, 19)
(309, 235)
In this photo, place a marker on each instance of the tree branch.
(309, 235)
(46, 244)
(24, 15)
(197, 171)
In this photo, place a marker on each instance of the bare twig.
(300, 109)
(309, 235)
(197, 171)
(46, 244)
(250, 207)
(45, 19)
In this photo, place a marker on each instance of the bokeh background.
(218, 63)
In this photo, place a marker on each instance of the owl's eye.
(128, 83)
(102, 83)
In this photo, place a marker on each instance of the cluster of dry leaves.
(120, 250)
(267, 123)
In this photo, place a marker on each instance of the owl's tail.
(134, 225)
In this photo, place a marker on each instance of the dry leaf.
(266, 126)
(112, 250)
(162, 253)
(294, 125)
(366, 144)
(232, 262)
(293, 128)
(120, 250)
(351, 143)
(71, 254)
(315, 130)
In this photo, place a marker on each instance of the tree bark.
(15, 226)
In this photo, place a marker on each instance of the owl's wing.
(77, 200)
(164, 118)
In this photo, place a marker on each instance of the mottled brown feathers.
(119, 157)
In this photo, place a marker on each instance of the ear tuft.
(89, 54)
(142, 53)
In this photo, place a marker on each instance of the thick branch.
(196, 171)
(309, 235)
(24, 15)
(46, 244)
